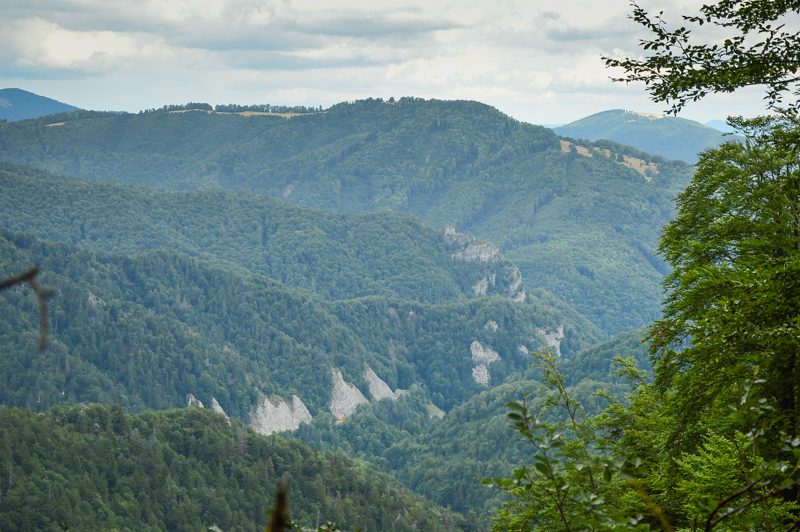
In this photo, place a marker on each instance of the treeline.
(583, 228)
(95, 467)
(234, 108)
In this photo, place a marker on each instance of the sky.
(539, 61)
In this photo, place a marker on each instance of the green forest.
(424, 315)
(582, 227)
(99, 468)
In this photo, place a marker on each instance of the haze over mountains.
(671, 137)
(369, 279)
(17, 104)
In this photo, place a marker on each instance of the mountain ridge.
(18, 104)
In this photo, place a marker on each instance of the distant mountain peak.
(18, 104)
(671, 137)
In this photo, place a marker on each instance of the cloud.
(529, 58)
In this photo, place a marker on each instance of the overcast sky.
(536, 60)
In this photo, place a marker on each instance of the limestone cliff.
(553, 339)
(484, 356)
(377, 388)
(276, 415)
(215, 406)
(345, 397)
(467, 250)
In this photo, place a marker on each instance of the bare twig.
(41, 294)
(279, 520)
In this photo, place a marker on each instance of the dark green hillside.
(597, 362)
(333, 256)
(581, 227)
(17, 104)
(671, 137)
(97, 468)
(442, 460)
(149, 329)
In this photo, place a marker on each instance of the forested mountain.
(472, 440)
(97, 468)
(17, 104)
(579, 221)
(149, 329)
(333, 256)
(668, 136)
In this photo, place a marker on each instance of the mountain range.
(671, 137)
(370, 279)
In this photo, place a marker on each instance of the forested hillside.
(578, 221)
(97, 468)
(333, 256)
(472, 440)
(149, 329)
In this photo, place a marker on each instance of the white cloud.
(537, 60)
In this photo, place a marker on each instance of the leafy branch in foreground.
(761, 51)
(582, 483)
(41, 294)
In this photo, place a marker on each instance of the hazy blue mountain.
(674, 138)
(720, 125)
(17, 104)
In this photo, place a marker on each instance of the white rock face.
(95, 301)
(523, 349)
(481, 286)
(215, 406)
(481, 374)
(553, 339)
(267, 416)
(491, 324)
(192, 400)
(485, 252)
(377, 388)
(451, 236)
(514, 293)
(345, 398)
(483, 354)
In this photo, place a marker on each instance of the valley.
(369, 282)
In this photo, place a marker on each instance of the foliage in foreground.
(692, 450)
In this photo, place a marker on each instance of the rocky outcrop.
(481, 287)
(514, 292)
(491, 324)
(191, 400)
(480, 353)
(215, 406)
(484, 356)
(276, 415)
(451, 236)
(484, 252)
(345, 397)
(553, 339)
(481, 374)
(377, 388)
